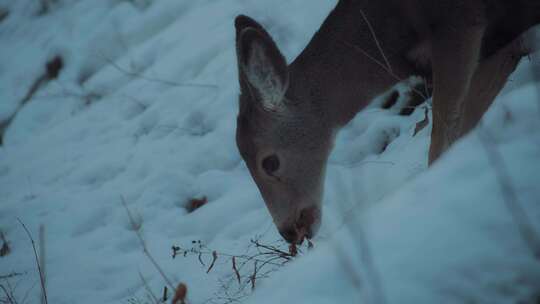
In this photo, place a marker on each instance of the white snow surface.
(144, 111)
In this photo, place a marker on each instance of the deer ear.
(261, 65)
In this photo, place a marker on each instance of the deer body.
(289, 114)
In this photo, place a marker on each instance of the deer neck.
(344, 66)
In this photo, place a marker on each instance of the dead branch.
(423, 123)
(27, 294)
(41, 277)
(42, 260)
(235, 270)
(4, 250)
(165, 294)
(214, 258)
(266, 259)
(9, 296)
(273, 249)
(136, 228)
(200, 259)
(253, 276)
(153, 79)
(11, 275)
(148, 289)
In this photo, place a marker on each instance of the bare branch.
(148, 289)
(266, 259)
(136, 228)
(41, 277)
(156, 80)
(11, 275)
(254, 276)
(214, 258)
(42, 260)
(9, 297)
(235, 269)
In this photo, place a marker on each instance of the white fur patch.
(262, 75)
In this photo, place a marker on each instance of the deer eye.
(270, 164)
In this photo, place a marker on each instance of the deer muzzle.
(306, 226)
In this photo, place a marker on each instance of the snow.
(144, 112)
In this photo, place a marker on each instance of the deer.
(289, 114)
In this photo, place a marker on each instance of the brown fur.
(466, 48)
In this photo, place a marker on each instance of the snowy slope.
(144, 109)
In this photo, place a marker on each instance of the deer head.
(280, 134)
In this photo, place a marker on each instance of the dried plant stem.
(148, 290)
(235, 269)
(143, 244)
(214, 258)
(41, 276)
(156, 80)
(254, 276)
(9, 297)
(42, 259)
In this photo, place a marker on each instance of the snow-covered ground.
(143, 111)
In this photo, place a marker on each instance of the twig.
(11, 275)
(42, 259)
(423, 123)
(157, 80)
(165, 292)
(214, 258)
(143, 245)
(4, 250)
(254, 276)
(27, 294)
(41, 278)
(10, 298)
(264, 261)
(235, 270)
(147, 287)
(510, 199)
(200, 259)
(272, 249)
(244, 257)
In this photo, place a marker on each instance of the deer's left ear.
(261, 65)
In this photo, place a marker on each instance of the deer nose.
(308, 222)
(306, 226)
(289, 234)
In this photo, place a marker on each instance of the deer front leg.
(455, 56)
(489, 78)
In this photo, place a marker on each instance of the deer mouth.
(304, 228)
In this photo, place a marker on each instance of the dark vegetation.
(53, 68)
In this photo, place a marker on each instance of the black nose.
(289, 234)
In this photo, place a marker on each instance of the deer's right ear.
(261, 65)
